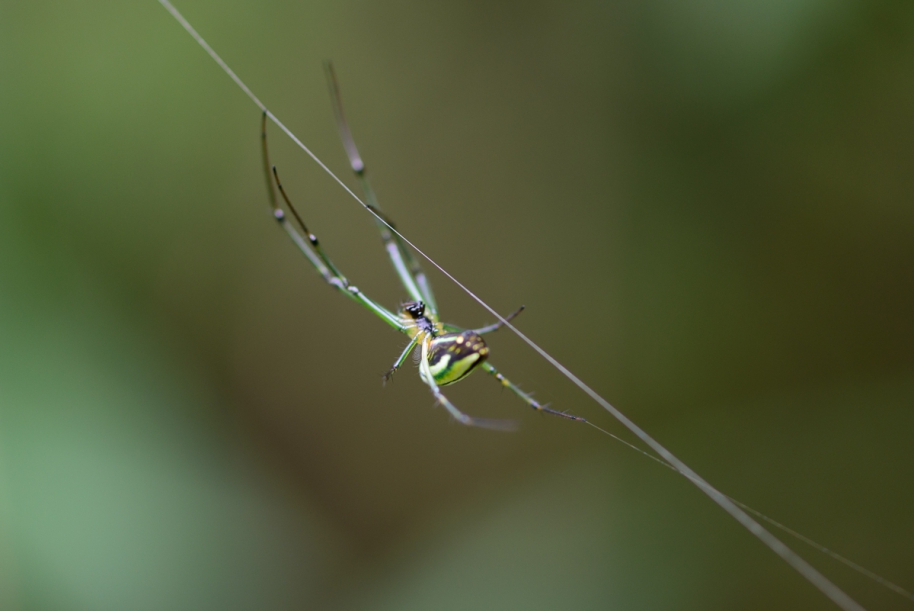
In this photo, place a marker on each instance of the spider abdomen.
(452, 356)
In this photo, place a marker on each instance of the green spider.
(447, 354)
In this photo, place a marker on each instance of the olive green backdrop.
(706, 208)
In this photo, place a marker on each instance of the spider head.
(413, 309)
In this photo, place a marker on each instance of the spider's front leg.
(311, 247)
(407, 267)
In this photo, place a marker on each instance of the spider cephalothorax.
(446, 353)
(419, 321)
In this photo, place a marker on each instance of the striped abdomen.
(452, 356)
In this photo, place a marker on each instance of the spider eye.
(414, 308)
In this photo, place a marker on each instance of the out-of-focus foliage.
(706, 207)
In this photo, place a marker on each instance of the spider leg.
(311, 248)
(449, 328)
(401, 359)
(487, 423)
(499, 324)
(407, 267)
(525, 397)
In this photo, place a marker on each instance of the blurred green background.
(705, 206)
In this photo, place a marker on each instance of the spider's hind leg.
(425, 373)
(525, 397)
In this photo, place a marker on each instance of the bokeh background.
(706, 208)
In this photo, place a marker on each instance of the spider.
(446, 353)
